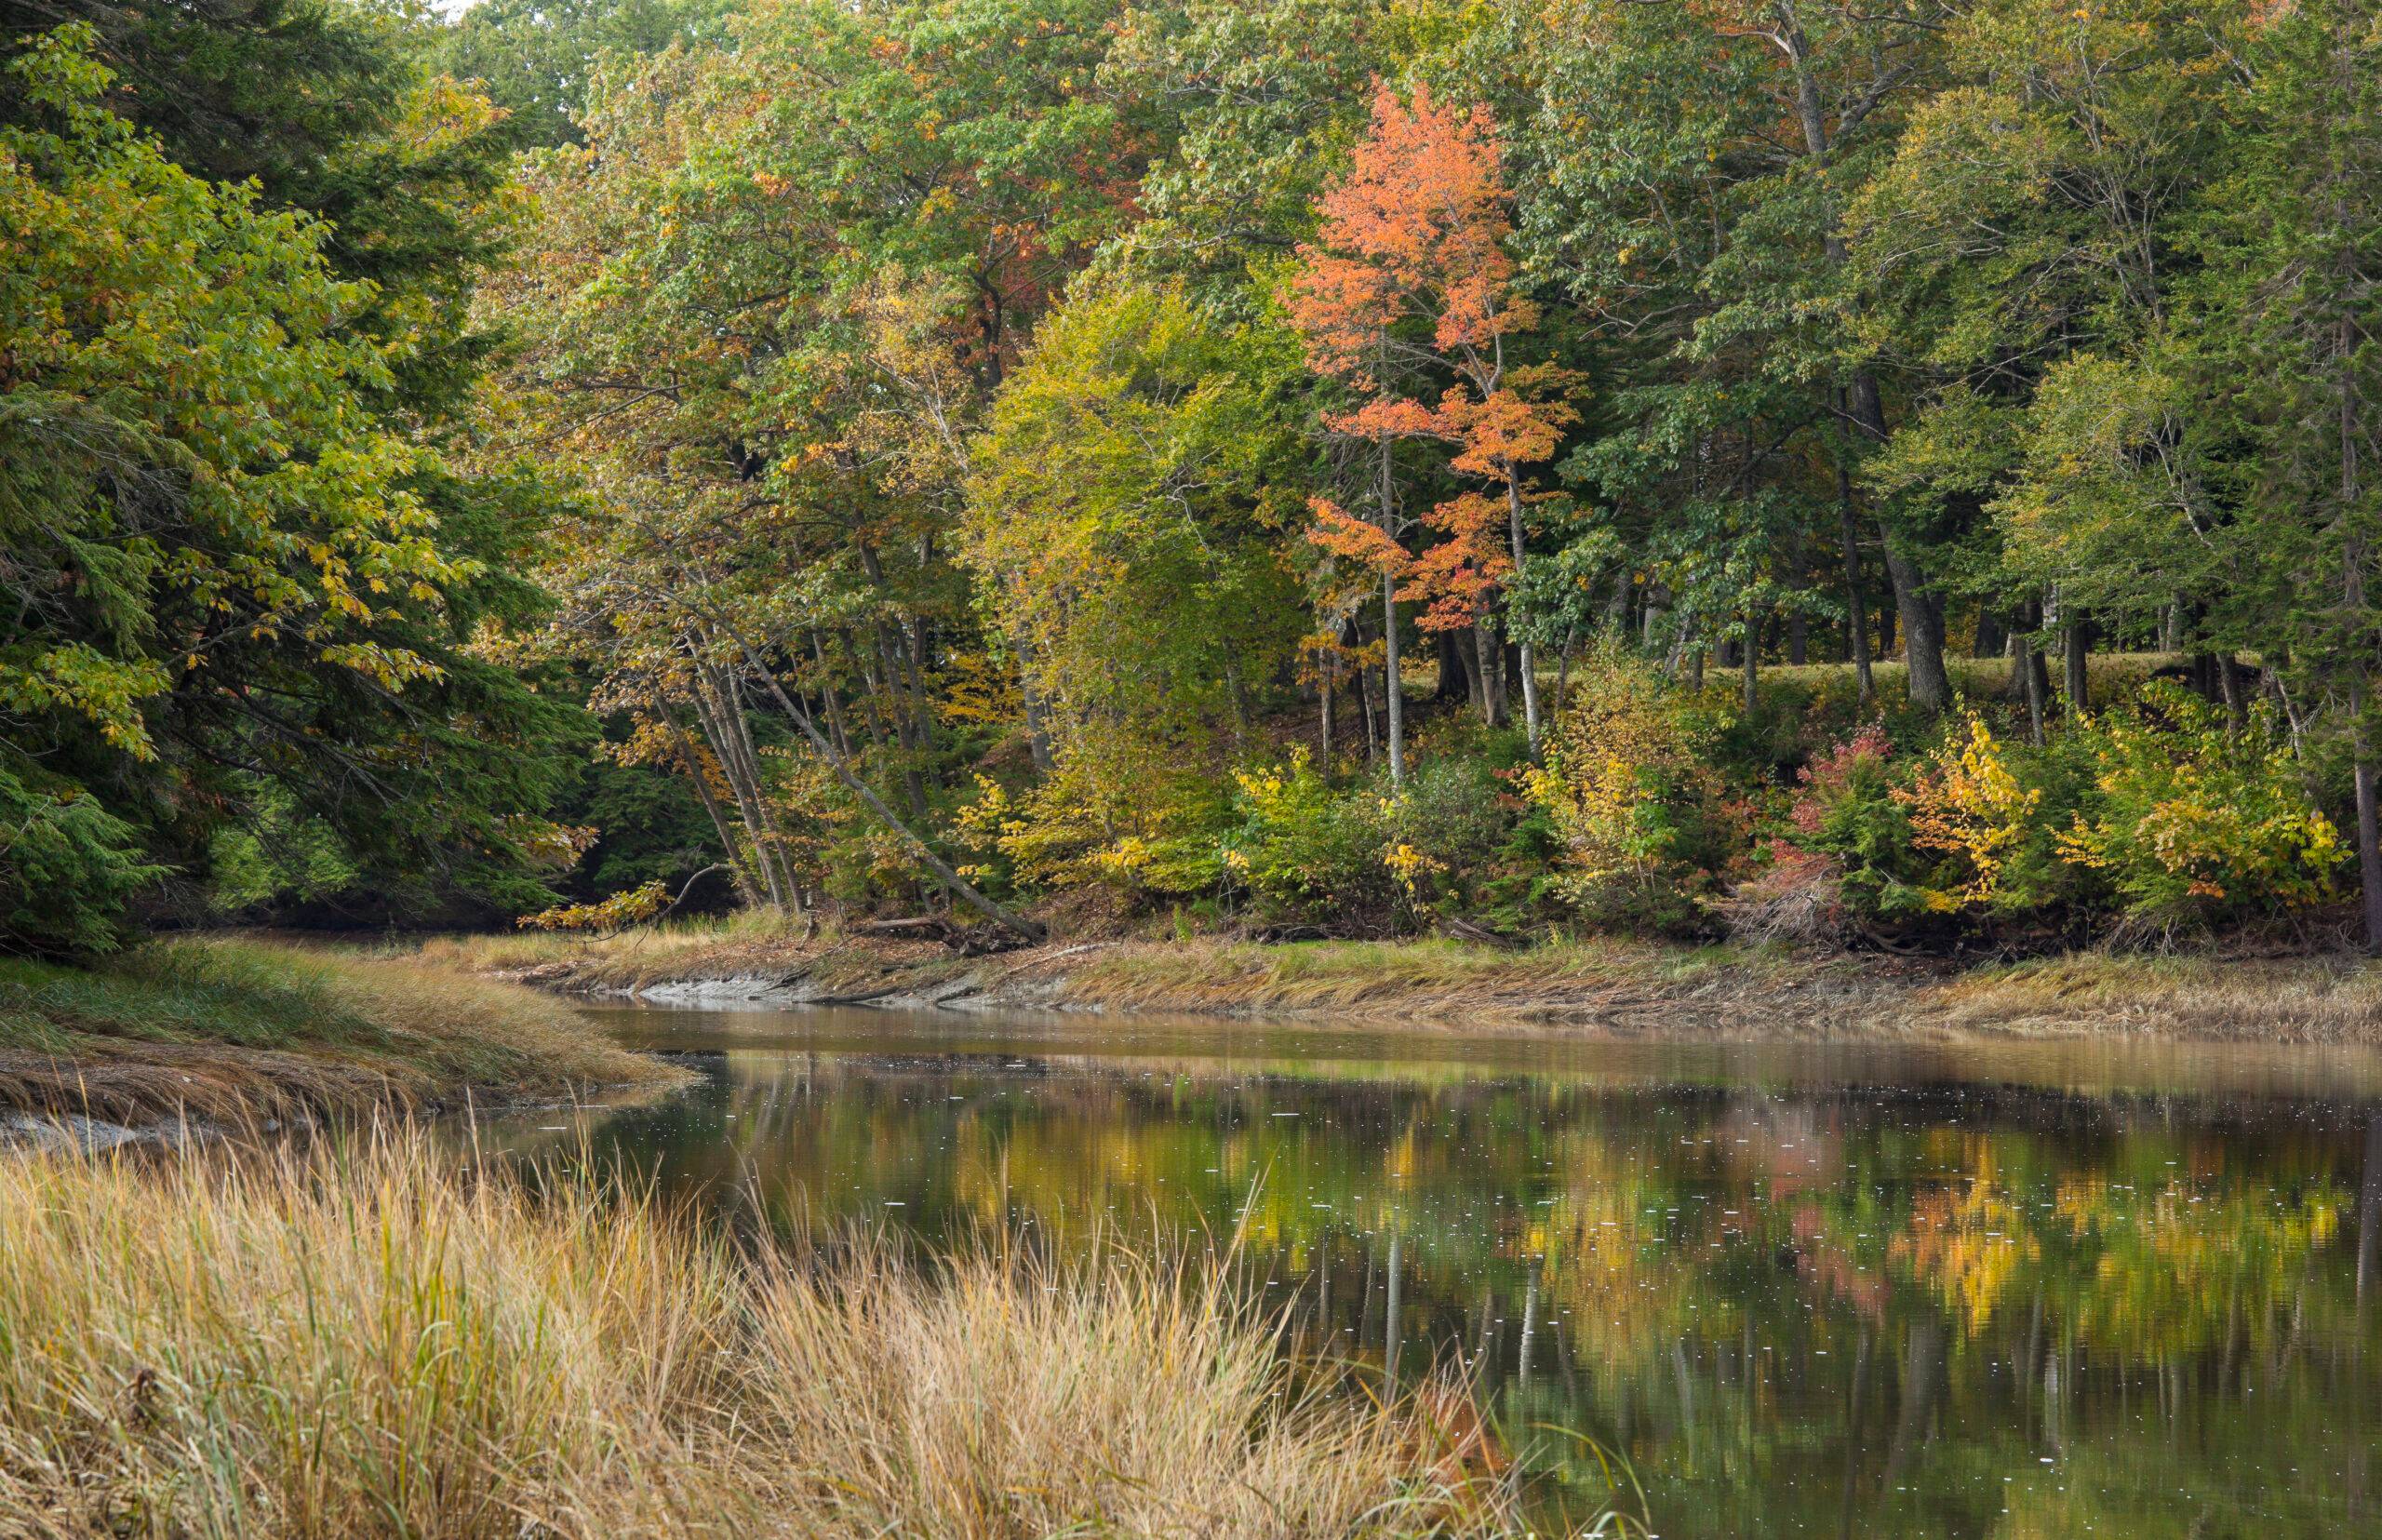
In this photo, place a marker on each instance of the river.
(2008, 1290)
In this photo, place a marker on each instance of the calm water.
(2020, 1291)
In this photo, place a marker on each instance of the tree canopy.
(918, 452)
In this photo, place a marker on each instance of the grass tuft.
(359, 1339)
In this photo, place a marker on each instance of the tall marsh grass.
(238, 1029)
(379, 1339)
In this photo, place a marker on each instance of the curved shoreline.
(1613, 989)
(200, 1038)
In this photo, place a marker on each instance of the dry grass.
(247, 1030)
(2109, 675)
(361, 1341)
(1419, 978)
(1631, 988)
(1614, 986)
(684, 948)
(2312, 999)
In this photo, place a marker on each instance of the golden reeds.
(379, 1337)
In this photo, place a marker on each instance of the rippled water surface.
(2012, 1290)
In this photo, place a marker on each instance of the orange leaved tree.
(1409, 278)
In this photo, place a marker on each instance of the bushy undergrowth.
(2155, 816)
(363, 1340)
(1660, 807)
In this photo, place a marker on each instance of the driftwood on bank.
(968, 941)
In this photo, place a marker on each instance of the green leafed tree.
(223, 562)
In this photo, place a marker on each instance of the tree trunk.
(721, 710)
(1392, 689)
(1617, 609)
(1991, 635)
(1037, 727)
(836, 727)
(1365, 705)
(1528, 666)
(1856, 602)
(1323, 693)
(1476, 683)
(1753, 662)
(1393, 695)
(957, 884)
(748, 892)
(2037, 680)
(1922, 621)
(2369, 822)
(1922, 634)
(2232, 688)
(1452, 687)
(2076, 644)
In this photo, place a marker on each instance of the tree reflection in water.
(1804, 1292)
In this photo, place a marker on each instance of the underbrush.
(226, 1029)
(364, 1340)
(1655, 807)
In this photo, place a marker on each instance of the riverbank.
(238, 1032)
(1612, 987)
(361, 1341)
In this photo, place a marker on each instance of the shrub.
(1124, 820)
(1981, 808)
(1366, 858)
(1845, 808)
(1307, 852)
(1639, 815)
(2193, 821)
(1445, 831)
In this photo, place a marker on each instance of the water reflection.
(2034, 1290)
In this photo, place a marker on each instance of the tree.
(1409, 274)
(221, 559)
(771, 299)
(538, 60)
(1690, 164)
(2012, 291)
(2300, 243)
(1123, 509)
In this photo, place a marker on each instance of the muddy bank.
(1621, 989)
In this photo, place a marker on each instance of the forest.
(1879, 475)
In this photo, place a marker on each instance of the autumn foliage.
(1409, 278)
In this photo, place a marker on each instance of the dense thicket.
(241, 550)
(1329, 462)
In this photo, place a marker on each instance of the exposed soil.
(1608, 990)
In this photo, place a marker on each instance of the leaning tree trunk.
(1528, 656)
(942, 870)
(748, 892)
